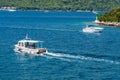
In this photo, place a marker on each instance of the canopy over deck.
(30, 41)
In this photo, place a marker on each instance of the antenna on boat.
(26, 37)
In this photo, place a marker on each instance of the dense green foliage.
(113, 16)
(102, 5)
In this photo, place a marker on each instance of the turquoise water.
(72, 54)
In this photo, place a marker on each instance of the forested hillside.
(113, 16)
(101, 5)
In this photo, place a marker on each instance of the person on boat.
(26, 44)
(33, 46)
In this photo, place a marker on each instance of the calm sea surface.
(72, 54)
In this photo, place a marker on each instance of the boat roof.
(30, 41)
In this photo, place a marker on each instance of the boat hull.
(30, 51)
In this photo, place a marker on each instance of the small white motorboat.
(30, 46)
(11, 10)
(90, 29)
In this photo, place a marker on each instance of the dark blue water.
(72, 54)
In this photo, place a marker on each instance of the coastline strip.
(116, 24)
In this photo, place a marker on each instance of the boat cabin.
(32, 44)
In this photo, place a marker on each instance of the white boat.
(90, 29)
(11, 10)
(30, 46)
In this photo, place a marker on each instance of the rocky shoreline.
(116, 24)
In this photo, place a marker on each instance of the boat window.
(34, 45)
(30, 45)
(19, 44)
(26, 44)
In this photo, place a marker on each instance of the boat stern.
(42, 51)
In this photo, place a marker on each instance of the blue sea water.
(72, 54)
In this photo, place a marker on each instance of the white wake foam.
(54, 56)
(68, 57)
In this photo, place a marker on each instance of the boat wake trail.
(68, 57)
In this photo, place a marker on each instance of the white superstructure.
(30, 46)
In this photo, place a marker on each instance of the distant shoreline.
(44, 10)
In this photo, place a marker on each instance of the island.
(111, 19)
